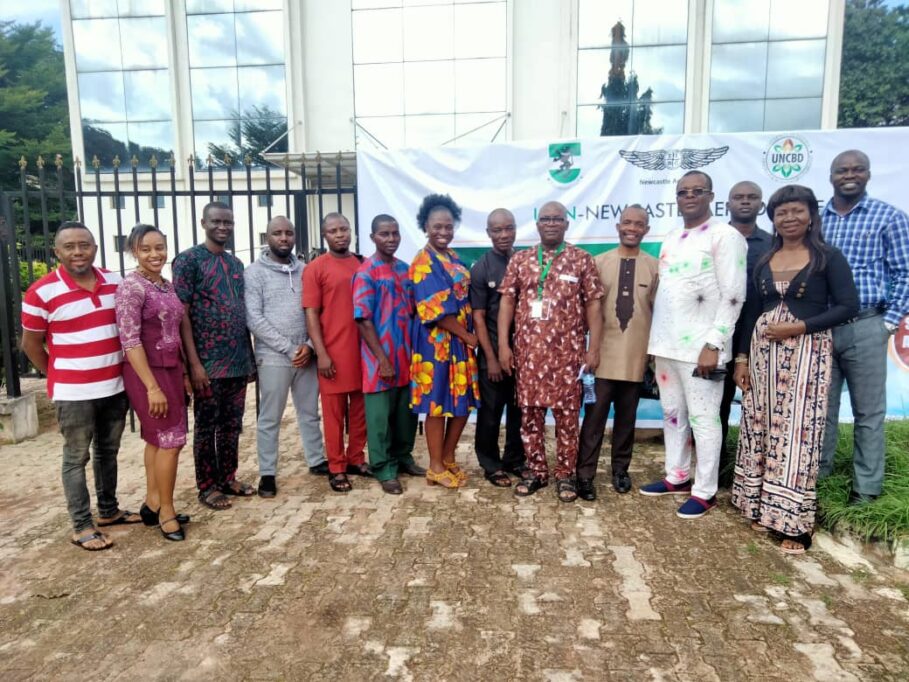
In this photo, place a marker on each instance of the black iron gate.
(110, 201)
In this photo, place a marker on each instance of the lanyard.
(544, 270)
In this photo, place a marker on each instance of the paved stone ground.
(431, 585)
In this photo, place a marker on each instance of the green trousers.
(391, 430)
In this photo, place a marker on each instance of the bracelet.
(741, 359)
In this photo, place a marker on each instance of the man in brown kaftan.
(552, 292)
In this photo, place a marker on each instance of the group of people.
(785, 317)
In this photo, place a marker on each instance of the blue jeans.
(82, 423)
(859, 358)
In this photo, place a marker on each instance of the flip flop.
(122, 519)
(94, 535)
(215, 499)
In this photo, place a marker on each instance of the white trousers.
(690, 405)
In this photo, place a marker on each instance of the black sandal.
(241, 489)
(340, 483)
(530, 485)
(499, 479)
(566, 490)
(215, 499)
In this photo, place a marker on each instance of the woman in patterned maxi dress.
(785, 372)
(443, 377)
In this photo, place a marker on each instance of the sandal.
(359, 470)
(566, 490)
(238, 489)
(89, 537)
(340, 483)
(758, 528)
(123, 517)
(446, 479)
(458, 472)
(528, 486)
(215, 499)
(802, 543)
(499, 479)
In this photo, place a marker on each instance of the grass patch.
(860, 576)
(887, 517)
(827, 599)
(752, 548)
(780, 579)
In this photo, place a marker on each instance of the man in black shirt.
(497, 389)
(744, 204)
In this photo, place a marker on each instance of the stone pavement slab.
(472, 584)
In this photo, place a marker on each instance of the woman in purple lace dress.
(148, 316)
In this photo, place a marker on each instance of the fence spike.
(228, 159)
(78, 162)
(209, 160)
(23, 164)
(172, 160)
(97, 163)
(116, 162)
(58, 161)
(134, 161)
(153, 161)
(247, 159)
(191, 159)
(40, 161)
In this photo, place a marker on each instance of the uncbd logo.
(787, 158)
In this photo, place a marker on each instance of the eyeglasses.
(694, 192)
(550, 220)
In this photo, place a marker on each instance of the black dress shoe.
(267, 486)
(319, 469)
(392, 486)
(174, 536)
(586, 489)
(412, 469)
(150, 518)
(621, 481)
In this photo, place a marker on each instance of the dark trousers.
(624, 396)
(726, 453)
(391, 430)
(496, 398)
(216, 433)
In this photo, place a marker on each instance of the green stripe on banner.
(471, 254)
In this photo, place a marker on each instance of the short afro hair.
(435, 202)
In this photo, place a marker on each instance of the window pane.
(105, 140)
(144, 43)
(738, 71)
(141, 8)
(255, 5)
(262, 89)
(633, 120)
(147, 95)
(596, 19)
(101, 96)
(792, 114)
(259, 133)
(796, 69)
(93, 9)
(480, 85)
(668, 118)
(214, 93)
(427, 33)
(593, 72)
(379, 89)
(260, 38)
(660, 22)
(209, 134)
(428, 131)
(802, 19)
(589, 120)
(429, 87)
(388, 130)
(736, 21)
(479, 30)
(377, 36)
(736, 117)
(372, 4)
(211, 40)
(209, 6)
(146, 139)
(479, 128)
(97, 43)
(662, 69)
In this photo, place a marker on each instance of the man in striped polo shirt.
(69, 333)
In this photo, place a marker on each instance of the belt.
(864, 314)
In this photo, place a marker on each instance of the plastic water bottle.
(588, 381)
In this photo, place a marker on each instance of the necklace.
(157, 280)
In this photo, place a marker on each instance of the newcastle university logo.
(671, 159)
(564, 157)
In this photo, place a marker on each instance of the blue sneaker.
(664, 487)
(695, 507)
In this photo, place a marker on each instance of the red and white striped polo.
(80, 326)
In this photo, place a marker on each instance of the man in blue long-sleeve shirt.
(874, 237)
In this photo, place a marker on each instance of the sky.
(30, 11)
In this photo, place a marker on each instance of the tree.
(252, 133)
(874, 78)
(624, 112)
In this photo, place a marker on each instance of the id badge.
(539, 309)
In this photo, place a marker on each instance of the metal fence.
(110, 201)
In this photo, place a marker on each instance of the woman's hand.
(741, 376)
(471, 340)
(781, 331)
(157, 402)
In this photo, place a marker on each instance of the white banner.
(596, 178)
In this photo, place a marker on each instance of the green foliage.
(34, 114)
(39, 269)
(250, 135)
(624, 111)
(874, 79)
(780, 579)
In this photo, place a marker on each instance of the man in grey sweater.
(284, 358)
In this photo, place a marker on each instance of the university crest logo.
(671, 159)
(564, 159)
(787, 158)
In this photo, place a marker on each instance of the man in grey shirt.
(284, 358)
